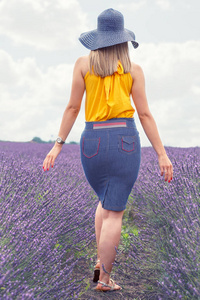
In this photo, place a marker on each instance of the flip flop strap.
(107, 285)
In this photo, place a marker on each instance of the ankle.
(105, 278)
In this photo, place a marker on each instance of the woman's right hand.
(51, 156)
(166, 167)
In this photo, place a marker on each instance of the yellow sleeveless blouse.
(108, 97)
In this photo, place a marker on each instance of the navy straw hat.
(110, 31)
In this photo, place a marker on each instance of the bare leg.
(109, 241)
(98, 225)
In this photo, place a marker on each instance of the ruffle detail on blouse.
(107, 80)
(120, 69)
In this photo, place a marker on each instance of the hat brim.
(95, 39)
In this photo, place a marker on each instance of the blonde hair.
(103, 62)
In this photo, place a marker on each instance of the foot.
(104, 287)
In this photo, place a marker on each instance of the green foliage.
(73, 143)
(37, 139)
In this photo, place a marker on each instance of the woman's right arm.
(148, 122)
(70, 113)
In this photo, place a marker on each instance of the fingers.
(51, 156)
(48, 162)
(162, 171)
(168, 171)
(166, 167)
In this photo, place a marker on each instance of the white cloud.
(196, 89)
(45, 24)
(175, 65)
(172, 84)
(32, 101)
(163, 4)
(133, 6)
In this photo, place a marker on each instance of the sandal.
(112, 287)
(96, 272)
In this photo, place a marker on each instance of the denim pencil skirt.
(110, 156)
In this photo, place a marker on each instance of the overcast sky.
(39, 46)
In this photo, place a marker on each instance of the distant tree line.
(39, 140)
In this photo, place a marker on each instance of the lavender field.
(47, 237)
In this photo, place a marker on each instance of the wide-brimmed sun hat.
(110, 31)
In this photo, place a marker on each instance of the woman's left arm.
(70, 113)
(148, 122)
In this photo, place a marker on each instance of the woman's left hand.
(166, 167)
(51, 156)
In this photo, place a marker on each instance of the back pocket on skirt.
(90, 147)
(127, 144)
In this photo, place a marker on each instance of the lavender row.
(47, 226)
(172, 213)
(44, 222)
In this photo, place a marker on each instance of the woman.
(110, 144)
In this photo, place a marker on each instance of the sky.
(39, 47)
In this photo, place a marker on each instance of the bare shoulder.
(82, 63)
(136, 71)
